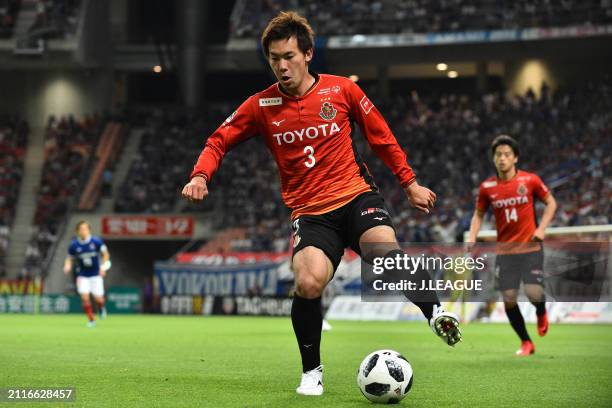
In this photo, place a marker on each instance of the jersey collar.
(87, 241)
(516, 174)
(308, 92)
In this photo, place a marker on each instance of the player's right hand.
(196, 189)
(421, 198)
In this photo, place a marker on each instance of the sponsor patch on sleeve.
(366, 104)
(270, 101)
(229, 118)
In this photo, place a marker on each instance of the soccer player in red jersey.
(511, 194)
(305, 121)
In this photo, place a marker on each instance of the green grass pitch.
(164, 361)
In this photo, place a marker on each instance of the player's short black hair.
(285, 25)
(505, 140)
(78, 225)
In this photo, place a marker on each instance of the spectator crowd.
(565, 137)
(13, 143)
(68, 146)
(246, 188)
(55, 18)
(8, 14)
(349, 17)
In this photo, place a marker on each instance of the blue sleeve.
(99, 243)
(71, 249)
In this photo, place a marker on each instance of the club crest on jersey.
(328, 112)
(522, 189)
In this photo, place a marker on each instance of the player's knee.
(308, 286)
(371, 251)
(534, 294)
(535, 299)
(510, 303)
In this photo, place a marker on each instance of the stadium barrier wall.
(226, 305)
(119, 300)
(352, 308)
(199, 280)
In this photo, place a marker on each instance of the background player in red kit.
(305, 121)
(512, 195)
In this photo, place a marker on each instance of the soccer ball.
(384, 376)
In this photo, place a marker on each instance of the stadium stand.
(563, 138)
(348, 17)
(106, 155)
(55, 18)
(8, 14)
(168, 143)
(13, 142)
(68, 148)
(246, 187)
(442, 133)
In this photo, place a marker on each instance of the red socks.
(88, 310)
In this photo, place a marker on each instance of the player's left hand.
(468, 247)
(421, 198)
(538, 235)
(102, 273)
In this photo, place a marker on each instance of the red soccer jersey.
(513, 203)
(310, 139)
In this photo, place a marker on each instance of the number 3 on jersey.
(309, 150)
(511, 215)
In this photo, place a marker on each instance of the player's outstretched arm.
(421, 198)
(237, 128)
(549, 213)
(196, 190)
(383, 143)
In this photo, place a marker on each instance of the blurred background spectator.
(13, 142)
(350, 17)
(68, 146)
(8, 14)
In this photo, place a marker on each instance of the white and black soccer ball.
(385, 376)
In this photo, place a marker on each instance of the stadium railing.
(106, 155)
(581, 232)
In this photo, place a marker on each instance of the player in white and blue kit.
(91, 260)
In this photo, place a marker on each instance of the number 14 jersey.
(513, 203)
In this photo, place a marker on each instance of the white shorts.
(90, 284)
